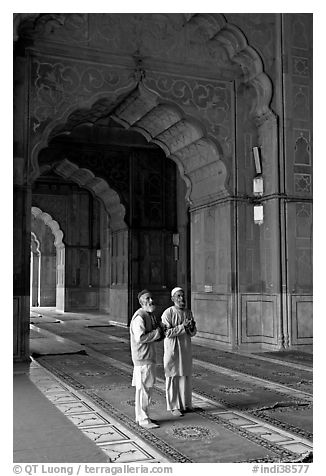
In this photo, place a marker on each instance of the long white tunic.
(177, 343)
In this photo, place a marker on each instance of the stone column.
(35, 266)
(21, 270)
(48, 276)
(60, 279)
(48, 280)
(21, 220)
(182, 252)
(119, 277)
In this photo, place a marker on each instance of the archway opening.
(141, 215)
(47, 261)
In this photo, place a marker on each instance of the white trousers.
(178, 392)
(143, 379)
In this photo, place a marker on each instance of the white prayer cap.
(174, 290)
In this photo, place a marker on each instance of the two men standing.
(177, 328)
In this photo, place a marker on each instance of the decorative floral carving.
(300, 66)
(58, 86)
(302, 183)
(210, 99)
(303, 210)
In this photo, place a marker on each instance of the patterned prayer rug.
(208, 434)
(283, 409)
(275, 372)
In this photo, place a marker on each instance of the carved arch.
(182, 138)
(52, 224)
(97, 186)
(35, 243)
(223, 40)
(230, 39)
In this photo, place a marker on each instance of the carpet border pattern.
(161, 446)
(283, 454)
(257, 413)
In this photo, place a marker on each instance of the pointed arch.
(52, 224)
(97, 186)
(35, 244)
(182, 138)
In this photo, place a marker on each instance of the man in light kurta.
(145, 330)
(179, 326)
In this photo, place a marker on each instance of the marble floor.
(75, 402)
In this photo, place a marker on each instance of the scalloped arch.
(226, 38)
(97, 186)
(36, 241)
(182, 138)
(52, 224)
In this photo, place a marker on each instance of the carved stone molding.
(302, 183)
(62, 93)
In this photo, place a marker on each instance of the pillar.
(21, 221)
(60, 279)
(35, 275)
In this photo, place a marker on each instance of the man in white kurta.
(179, 326)
(144, 331)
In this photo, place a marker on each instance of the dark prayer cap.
(144, 291)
